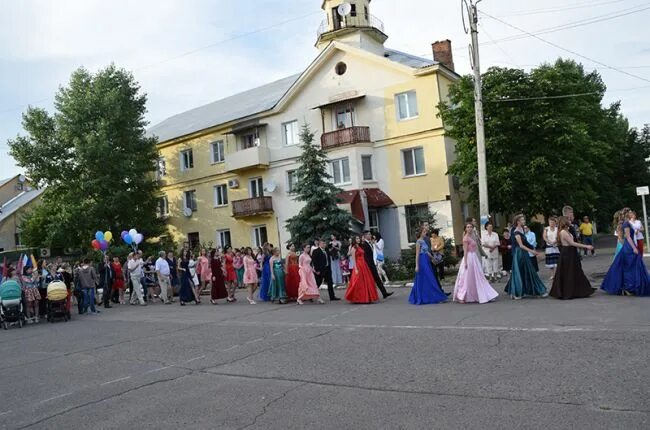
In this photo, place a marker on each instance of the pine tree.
(320, 215)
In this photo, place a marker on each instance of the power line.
(561, 8)
(562, 96)
(566, 49)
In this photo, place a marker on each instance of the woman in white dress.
(378, 253)
(490, 243)
(550, 236)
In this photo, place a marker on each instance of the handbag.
(437, 258)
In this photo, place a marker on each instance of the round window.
(341, 68)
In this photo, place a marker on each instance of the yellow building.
(17, 198)
(226, 168)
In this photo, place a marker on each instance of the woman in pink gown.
(471, 285)
(250, 275)
(308, 288)
(204, 270)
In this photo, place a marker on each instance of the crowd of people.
(359, 266)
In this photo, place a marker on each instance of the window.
(220, 195)
(373, 220)
(256, 187)
(353, 10)
(163, 207)
(341, 68)
(413, 161)
(19, 240)
(259, 235)
(366, 167)
(218, 152)
(415, 216)
(249, 140)
(343, 117)
(189, 198)
(187, 160)
(193, 239)
(340, 171)
(291, 133)
(365, 12)
(407, 105)
(292, 180)
(223, 238)
(161, 168)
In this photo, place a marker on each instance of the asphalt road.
(530, 364)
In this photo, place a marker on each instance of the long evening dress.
(628, 272)
(524, 280)
(308, 288)
(292, 280)
(185, 294)
(426, 288)
(569, 281)
(265, 282)
(362, 289)
(278, 291)
(471, 285)
(218, 290)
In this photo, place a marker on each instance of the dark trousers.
(106, 295)
(378, 281)
(326, 275)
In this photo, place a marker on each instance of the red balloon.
(95, 244)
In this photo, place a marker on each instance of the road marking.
(5, 413)
(292, 329)
(255, 340)
(277, 333)
(115, 380)
(55, 397)
(195, 358)
(157, 370)
(231, 348)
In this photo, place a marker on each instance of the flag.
(26, 262)
(33, 260)
(19, 265)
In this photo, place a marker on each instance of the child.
(345, 269)
(32, 296)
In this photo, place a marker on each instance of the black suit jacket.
(369, 255)
(321, 260)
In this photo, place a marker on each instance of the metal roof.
(251, 102)
(4, 181)
(18, 202)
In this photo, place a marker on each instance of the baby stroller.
(11, 304)
(58, 305)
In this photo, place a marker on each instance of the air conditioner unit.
(45, 252)
(233, 183)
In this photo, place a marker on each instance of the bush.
(403, 269)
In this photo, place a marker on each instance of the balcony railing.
(359, 21)
(252, 206)
(257, 156)
(345, 136)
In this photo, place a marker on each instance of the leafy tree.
(94, 159)
(543, 150)
(320, 215)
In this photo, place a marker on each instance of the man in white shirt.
(134, 267)
(163, 273)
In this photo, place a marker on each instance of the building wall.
(11, 189)
(11, 225)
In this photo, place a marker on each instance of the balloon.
(95, 244)
(108, 236)
(99, 236)
(133, 233)
(128, 239)
(103, 245)
(124, 233)
(139, 238)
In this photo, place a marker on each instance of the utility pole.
(470, 6)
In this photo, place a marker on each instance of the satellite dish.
(344, 9)
(187, 212)
(22, 178)
(270, 186)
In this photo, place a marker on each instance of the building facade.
(227, 168)
(17, 198)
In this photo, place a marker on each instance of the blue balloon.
(128, 239)
(99, 236)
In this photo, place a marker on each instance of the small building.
(17, 198)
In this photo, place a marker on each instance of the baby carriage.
(58, 305)
(11, 304)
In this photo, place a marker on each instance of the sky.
(191, 52)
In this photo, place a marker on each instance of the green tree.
(93, 157)
(320, 215)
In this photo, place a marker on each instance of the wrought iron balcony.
(359, 21)
(345, 136)
(251, 207)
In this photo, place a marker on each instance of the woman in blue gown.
(524, 280)
(628, 274)
(426, 288)
(186, 293)
(265, 282)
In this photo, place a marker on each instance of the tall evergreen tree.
(320, 215)
(93, 157)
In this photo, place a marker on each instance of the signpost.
(644, 191)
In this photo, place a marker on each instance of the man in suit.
(370, 261)
(322, 262)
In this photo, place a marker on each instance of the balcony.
(251, 207)
(257, 156)
(345, 137)
(359, 21)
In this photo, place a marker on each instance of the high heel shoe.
(214, 302)
(251, 302)
(300, 302)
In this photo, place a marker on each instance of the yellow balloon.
(108, 236)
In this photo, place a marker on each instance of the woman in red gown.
(362, 289)
(218, 290)
(292, 280)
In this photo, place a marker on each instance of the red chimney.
(442, 53)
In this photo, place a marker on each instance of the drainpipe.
(364, 205)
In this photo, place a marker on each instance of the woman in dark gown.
(524, 281)
(186, 293)
(218, 290)
(628, 274)
(569, 281)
